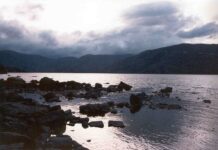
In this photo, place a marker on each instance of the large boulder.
(57, 117)
(118, 124)
(98, 86)
(73, 85)
(63, 142)
(98, 124)
(15, 82)
(48, 84)
(95, 109)
(22, 110)
(12, 137)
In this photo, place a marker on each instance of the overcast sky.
(79, 27)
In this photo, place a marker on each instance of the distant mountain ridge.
(177, 59)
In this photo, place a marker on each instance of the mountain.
(177, 59)
(36, 63)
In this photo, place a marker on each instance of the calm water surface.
(194, 128)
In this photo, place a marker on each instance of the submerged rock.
(98, 124)
(207, 101)
(168, 106)
(116, 124)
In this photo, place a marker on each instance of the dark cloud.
(148, 26)
(208, 29)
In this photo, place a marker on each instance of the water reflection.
(193, 128)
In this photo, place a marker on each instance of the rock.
(95, 109)
(98, 124)
(207, 101)
(116, 124)
(88, 141)
(135, 100)
(83, 121)
(19, 110)
(111, 103)
(54, 108)
(112, 88)
(167, 90)
(174, 106)
(168, 106)
(114, 111)
(70, 95)
(123, 86)
(73, 85)
(53, 118)
(48, 84)
(60, 142)
(63, 142)
(68, 114)
(92, 94)
(98, 86)
(15, 82)
(17, 146)
(51, 97)
(12, 137)
(122, 104)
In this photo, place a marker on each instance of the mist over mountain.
(178, 59)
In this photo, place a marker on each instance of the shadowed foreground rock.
(25, 124)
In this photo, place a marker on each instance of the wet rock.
(98, 124)
(63, 142)
(70, 95)
(18, 109)
(207, 101)
(166, 91)
(114, 111)
(111, 103)
(135, 100)
(48, 84)
(92, 94)
(17, 146)
(83, 121)
(122, 104)
(15, 82)
(51, 97)
(73, 85)
(53, 118)
(98, 86)
(123, 86)
(12, 137)
(54, 108)
(95, 109)
(168, 106)
(112, 88)
(68, 114)
(116, 124)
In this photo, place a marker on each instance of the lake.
(193, 128)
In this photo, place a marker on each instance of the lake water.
(193, 128)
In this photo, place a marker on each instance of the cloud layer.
(147, 26)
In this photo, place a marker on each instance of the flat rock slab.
(118, 124)
(98, 124)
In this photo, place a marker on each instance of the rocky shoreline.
(28, 124)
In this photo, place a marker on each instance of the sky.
(78, 27)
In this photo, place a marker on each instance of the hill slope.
(178, 59)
